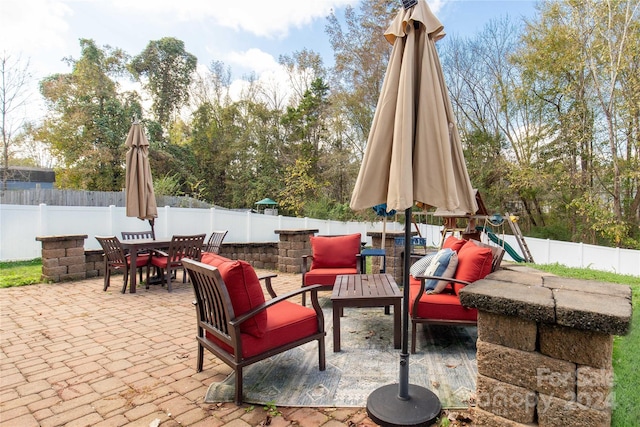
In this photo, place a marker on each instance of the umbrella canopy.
(414, 152)
(140, 199)
(413, 155)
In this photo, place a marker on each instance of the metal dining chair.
(214, 242)
(189, 246)
(116, 259)
(132, 235)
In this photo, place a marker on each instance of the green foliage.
(168, 185)
(271, 409)
(168, 68)
(299, 187)
(89, 120)
(20, 273)
(553, 231)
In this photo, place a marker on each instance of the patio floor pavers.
(71, 354)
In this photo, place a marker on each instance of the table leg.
(396, 324)
(133, 271)
(337, 311)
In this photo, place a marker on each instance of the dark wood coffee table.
(365, 290)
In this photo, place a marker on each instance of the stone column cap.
(61, 238)
(298, 231)
(393, 234)
(541, 297)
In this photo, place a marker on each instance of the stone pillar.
(63, 257)
(394, 247)
(94, 261)
(292, 246)
(544, 349)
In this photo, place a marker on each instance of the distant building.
(23, 178)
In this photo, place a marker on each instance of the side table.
(365, 290)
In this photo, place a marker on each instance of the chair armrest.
(160, 253)
(249, 314)
(448, 279)
(421, 291)
(305, 261)
(267, 282)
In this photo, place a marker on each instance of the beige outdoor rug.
(444, 362)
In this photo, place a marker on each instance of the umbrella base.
(385, 408)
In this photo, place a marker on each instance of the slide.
(507, 247)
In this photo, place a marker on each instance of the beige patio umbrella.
(140, 199)
(413, 155)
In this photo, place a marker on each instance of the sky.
(248, 35)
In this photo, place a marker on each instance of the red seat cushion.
(244, 290)
(443, 306)
(453, 243)
(335, 252)
(141, 260)
(286, 322)
(474, 262)
(325, 276)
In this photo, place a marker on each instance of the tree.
(168, 69)
(361, 56)
(582, 61)
(88, 120)
(15, 76)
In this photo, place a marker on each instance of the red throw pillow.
(454, 243)
(244, 290)
(474, 262)
(335, 252)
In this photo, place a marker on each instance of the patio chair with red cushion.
(115, 259)
(215, 241)
(181, 247)
(441, 305)
(238, 326)
(331, 256)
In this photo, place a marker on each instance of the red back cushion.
(335, 252)
(474, 262)
(454, 243)
(244, 290)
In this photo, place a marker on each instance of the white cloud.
(253, 59)
(33, 24)
(264, 18)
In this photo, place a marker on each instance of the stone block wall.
(544, 349)
(293, 245)
(63, 258)
(94, 262)
(259, 255)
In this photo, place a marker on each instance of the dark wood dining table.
(135, 245)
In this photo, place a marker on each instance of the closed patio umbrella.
(413, 154)
(140, 199)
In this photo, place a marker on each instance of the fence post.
(212, 219)
(112, 220)
(43, 225)
(248, 228)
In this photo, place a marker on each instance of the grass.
(626, 349)
(20, 273)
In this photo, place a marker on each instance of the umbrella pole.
(152, 223)
(404, 404)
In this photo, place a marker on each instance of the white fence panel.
(21, 224)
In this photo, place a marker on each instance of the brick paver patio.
(73, 355)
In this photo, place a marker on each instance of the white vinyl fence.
(21, 224)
